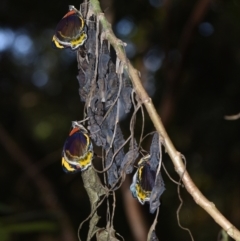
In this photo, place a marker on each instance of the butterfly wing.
(70, 31)
(145, 183)
(76, 146)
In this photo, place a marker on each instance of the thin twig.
(181, 204)
(232, 117)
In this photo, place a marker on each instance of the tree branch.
(46, 191)
(175, 156)
(173, 73)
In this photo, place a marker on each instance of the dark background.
(188, 53)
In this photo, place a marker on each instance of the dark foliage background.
(188, 53)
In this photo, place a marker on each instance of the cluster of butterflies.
(77, 155)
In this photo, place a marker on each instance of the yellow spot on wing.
(86, 161)
(56, 43)
(66, 165)
(79, 41)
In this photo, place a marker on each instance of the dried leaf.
(154, 152)
(112, 171)
(129, 159)
(156, 193)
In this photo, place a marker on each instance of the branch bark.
(175, 156)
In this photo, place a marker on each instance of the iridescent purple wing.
(76, 146)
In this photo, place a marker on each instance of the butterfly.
(143, 180)
(77, 151)
(70, 31)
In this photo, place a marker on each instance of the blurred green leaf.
(42, 226)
